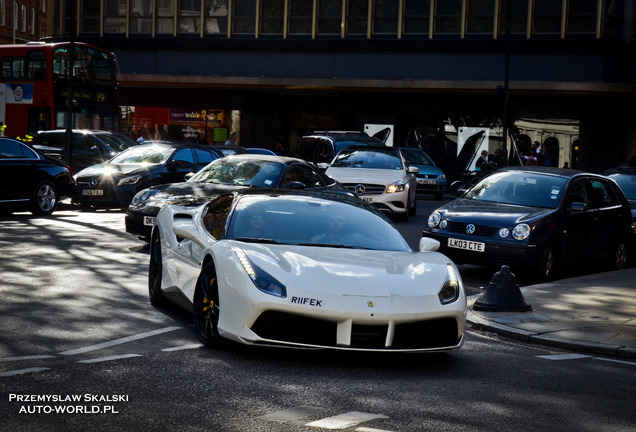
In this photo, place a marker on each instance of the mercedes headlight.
(129, 180)
(263, 280)
(397, 186)
(450, 289)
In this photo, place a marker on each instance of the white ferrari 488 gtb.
(305, 270)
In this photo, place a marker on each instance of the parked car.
(322, 147)
(114, 183)
(237, 172)
(88, 147)
(255, 267)
(536, 220)
(379, 176)
(258, 150)
(31, 181)
(430, 178)
(227, 150)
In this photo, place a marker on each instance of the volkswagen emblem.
(93, 183)
(359, 189)
(470, 229)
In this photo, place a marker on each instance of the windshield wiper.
(258, 240)
(339, 246)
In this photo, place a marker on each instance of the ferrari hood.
(351, 272)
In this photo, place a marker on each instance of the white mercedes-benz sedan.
(307, 270)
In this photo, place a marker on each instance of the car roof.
(272, 158)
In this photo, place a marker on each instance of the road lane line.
(344, 421)
(23, 371)
(119, 341)
(30, 357)
(110, 358)
(183, 347)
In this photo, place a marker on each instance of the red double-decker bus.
(34, 87)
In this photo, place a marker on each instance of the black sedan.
(535, 220)
(113, 184)
(236, 171)
(30, 181)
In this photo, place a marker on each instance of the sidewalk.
(593, 314)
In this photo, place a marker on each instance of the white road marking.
(344, 421)
(31, 357)
(119, 341)
(292, 414)
(615, 361)
(366, 429)
(23, 371)
(110, 358)
(184, 347)
(564, 356)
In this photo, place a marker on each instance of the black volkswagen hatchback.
(535, 220)
(114, 183)
(30, 181)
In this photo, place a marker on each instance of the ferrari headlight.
(397, 186)
(434, 219)
(263, 281)
(128, 180)
(450, 289)
(521, 231)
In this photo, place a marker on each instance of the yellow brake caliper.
(208, 303)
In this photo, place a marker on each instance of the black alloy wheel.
(546, 267)
(155, 272)
(44, 198)
(206, 307)
(619, 256)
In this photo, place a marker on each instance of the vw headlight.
(450, 289)
(434, 219)
(142, 196)
(128, 180)
(521, 231)
(397, 186)
(263, 280)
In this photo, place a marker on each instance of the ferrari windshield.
(232, 171)
(310, 221)
(368, 159)
(144, 154)
(520, 188)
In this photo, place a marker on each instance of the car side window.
(10, 150)
(204, 156)
(578, 193)
(602, 196)
(183, 157)
(303, 174)
(325, 153)
(215, 217)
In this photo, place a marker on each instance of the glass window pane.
(190, 16)
(547, 17)
(89, 17)
(114, 16)
(165, 17)
(448, 17)
(36, 66)
(518, 17)
(216, 17)
(582, 16)
(272, 14)
(480, 16)
(141, 16)
(385, 17)
(416, 16)
(357, 17)
(244, 18)
(300, 16)
(329, 17)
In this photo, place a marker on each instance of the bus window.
(36, 66)
(13, 68)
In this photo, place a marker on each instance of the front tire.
(44, 199)
(619, 256)
(155, 272)
(547, 265)
(207, 308)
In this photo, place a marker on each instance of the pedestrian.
(232, 139)
(482, 163)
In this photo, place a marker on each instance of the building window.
(417, 14)
(141, 17)
(216, 16)
(90, 17)
(480, 17)
(190, 16)
(547, 17)
(23, 9)
(114, 16)
(3, 12)
(518, 17)
(448, 17)
(43, 6)
(615, 20)
(581, 18)
(32, 21)
(244, 17)
(357, 17)
(164, 23)
(272, 16)
(329, 18)
(385, 17)
(301, 14)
